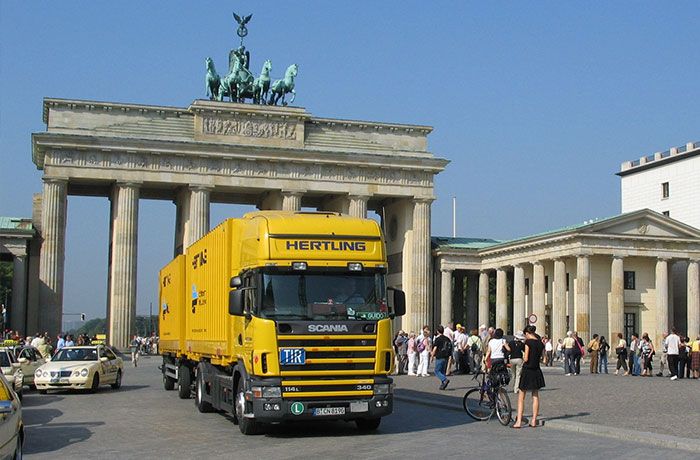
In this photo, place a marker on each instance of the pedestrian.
(673, 345)
(695, 357)
(412, 350)
(441, 352)
(424, 353)
(60, 342)
(69, 341)
(531, 379)
(516, 348)
(593, 350)
(461, 354)
(495, 356)
(635, 354)
(450, 334)
(560, 350)
(401, 344)
(683, 364)
(664, 355)
(621, 352)
(579, 352)
(135, 345)
(603, 355)
(569, 345)
(549, 352)
(475, 346)
(647, 355)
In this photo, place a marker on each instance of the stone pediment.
(645, 223)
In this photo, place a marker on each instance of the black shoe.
(660, 374)
(443, 385)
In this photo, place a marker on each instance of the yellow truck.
(282, 316)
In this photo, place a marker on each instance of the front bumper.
(62, 384)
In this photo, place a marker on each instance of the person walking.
(569, 345)
(135, 345)
(621, 352)
(647, 355)
(673, 345)
(593, 350)
(683, 364)
(441, 352)
(531, 379)
(635, 354)
(424, 353)
(516, 348)
(603, 355)
(549, 352)
(695, 357)
(579, 352)
(664, 356)
(411, 350)
(474, 344)
(401, 344)
(461, 353)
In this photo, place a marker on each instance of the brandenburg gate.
(226, 152)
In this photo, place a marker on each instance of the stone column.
(693, 299)
(182, 220)
(446, 297)
(582, 297)
(472, 300)
(52, 258)
(502, 299)
(358, 206)
(538, 295)
(122, 270)
(661, 299)
(199, 214)
(420, 266)
(18, 312)
(519, 314)
(559, 302)
(616, 307)
(291, 200)
(484, 298)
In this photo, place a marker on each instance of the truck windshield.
(317, 296)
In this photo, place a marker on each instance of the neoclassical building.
(604, 276)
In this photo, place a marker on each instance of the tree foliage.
(100, 326)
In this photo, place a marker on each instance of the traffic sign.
(532, 319)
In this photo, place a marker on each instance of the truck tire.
(168, 383)
(199, 389)
(184, 382)
(247, 426)
(368, 424)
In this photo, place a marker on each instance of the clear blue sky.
(535, 103)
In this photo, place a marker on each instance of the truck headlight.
(266, 392)
(383, 388)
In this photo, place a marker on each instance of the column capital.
(128, 184)
(536, 262)
(618, 256)
(423, 200)
(446, 270)
(353, 196)
(517, 265)
(55, 180)
(200, 188)
(584, 255)
(663, 259)
(293, 192)
(484, 271)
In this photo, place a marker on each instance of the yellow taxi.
(81, 367)
(11, 425)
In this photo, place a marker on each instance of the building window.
(629, 281)
(667, 213)
(664, 190)
(630, 325)
(527, 286)
(567, 282)
(546, 284)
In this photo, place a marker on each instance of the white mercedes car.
(83, 367)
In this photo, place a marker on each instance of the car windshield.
(317, 296)
(76, 354)
(5, 359)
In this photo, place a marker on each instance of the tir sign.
(292, 357)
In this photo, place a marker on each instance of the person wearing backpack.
(474, 346)
(442, 350)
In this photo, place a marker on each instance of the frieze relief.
(238, 167)
(249, 128)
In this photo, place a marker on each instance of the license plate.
(329, 411)
(292, 357)
(359, 406)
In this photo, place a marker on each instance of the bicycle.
(489, 397)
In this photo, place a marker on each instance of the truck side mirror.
(397, 301)
(235, 302)
(236, 282)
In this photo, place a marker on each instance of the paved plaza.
(143, 421)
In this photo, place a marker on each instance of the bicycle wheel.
(503, 409)
(476, 403)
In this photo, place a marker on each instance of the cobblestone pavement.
(143, 421)
(651, 404)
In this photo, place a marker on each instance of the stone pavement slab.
(142, 421)
(607, 401)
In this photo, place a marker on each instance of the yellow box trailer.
(282, 316)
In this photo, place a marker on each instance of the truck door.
(249, 308)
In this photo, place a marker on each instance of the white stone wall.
(600, 294)
(643, 190)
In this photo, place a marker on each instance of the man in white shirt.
(673, 343)
(449, 333)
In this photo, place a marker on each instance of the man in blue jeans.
(442, 350)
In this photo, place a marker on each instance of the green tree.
(6, 273)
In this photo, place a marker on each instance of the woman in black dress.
(531, 379)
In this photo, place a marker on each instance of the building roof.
(16, 225)
(690, 150)
(444, 242)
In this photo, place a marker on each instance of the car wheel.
(118, 382)
(95, 383)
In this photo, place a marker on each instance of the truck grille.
(335, 367)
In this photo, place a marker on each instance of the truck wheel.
(184, 382)
(168, 383)
(199, 388)
(367, 424)
(246, 425)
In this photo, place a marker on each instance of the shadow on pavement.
(51, 437)
(566, 416)
(36, 400)
(39, 416)
(103, 390)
